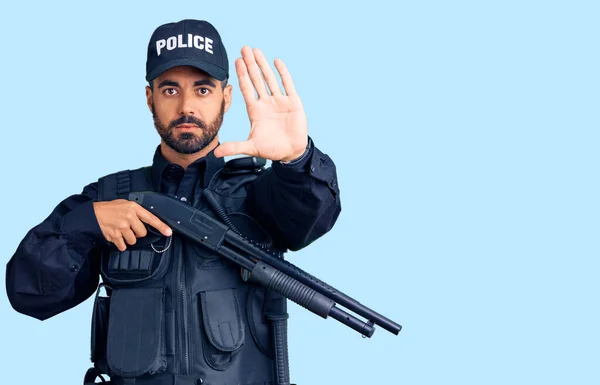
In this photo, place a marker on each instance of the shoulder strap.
(120, 184)
(244, 165)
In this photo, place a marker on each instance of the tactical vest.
(173, 313)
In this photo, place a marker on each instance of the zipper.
(183, 318)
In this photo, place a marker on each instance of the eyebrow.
(168, 83)
(204, 82)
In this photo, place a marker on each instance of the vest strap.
(120, 184)
(91, 375)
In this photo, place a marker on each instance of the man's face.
(188, 107)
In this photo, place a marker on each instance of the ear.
(149, 98)
(227, 96)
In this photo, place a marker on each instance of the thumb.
(235, 148)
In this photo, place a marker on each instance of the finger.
(267, 72)
(254, 72)
(244, 81)
(236, 148)
(286, 78)
(151, 219)
(118, 241)
(139, 229)
(129, 237)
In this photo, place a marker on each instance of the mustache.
(188, 119)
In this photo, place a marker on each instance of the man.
(174, 313)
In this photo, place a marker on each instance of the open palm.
(278, 127)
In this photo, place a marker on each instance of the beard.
(189, 142)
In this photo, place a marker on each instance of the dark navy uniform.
(202, 323)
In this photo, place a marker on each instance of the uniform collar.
(210, 163)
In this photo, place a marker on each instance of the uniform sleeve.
(298, 202)
(56, 265)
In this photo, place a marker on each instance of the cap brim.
(211, 69)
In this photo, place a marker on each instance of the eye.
(203, 91)
(169, 91)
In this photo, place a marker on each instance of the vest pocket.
(257, 322)
(138, 263)
(136, 332)
(223, 335)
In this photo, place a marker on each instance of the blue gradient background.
(466, 138)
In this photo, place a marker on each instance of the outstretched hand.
(278, 127)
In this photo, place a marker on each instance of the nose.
(186, 107)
